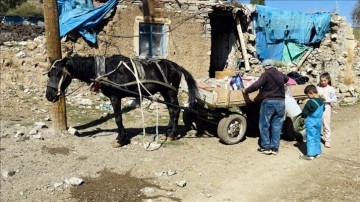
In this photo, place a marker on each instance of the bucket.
(291, 107)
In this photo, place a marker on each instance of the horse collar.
(100, 65)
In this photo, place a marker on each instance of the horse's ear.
(69, 63)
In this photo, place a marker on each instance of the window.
(152, 40)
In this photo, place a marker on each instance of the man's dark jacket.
(271, 84)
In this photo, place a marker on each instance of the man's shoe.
(274, 151)
(297, 144)
(317, 156)
(306, 157)
(264, 151)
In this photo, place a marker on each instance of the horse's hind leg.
(116, 104)
(174, 113)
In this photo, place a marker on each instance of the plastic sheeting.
(268, 50)
(293, 52)
(274, 27)
(82, 16)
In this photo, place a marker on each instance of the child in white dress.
(327, 92)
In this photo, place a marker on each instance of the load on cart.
(222, 103)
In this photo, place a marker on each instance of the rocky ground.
(40, 164)
(19, 32)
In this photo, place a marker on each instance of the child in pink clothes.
(327, 92)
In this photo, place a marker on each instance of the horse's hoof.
(116, 145)
(162, 138)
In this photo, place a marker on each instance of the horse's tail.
(193, 91)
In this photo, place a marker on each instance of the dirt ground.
(40, 166)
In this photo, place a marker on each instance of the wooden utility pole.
(54, 51)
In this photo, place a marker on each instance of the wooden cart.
(227, 108)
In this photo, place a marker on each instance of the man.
(271, 85)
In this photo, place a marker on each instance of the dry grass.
(28, 9)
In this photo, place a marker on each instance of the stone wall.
(189, 40)
(190, 44)
(338, 55)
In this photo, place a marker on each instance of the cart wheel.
(189, 119)
(231, 130)
(299, 125)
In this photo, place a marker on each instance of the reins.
(75, 90)
(142, 81)
(135, 73)
(103, 79)
(63, 76)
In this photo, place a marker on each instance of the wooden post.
(302, 60)
(242, 44)
(54, 51)
(148, 8)
(349, 46)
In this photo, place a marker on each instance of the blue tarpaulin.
(275, 27)
(82, 16)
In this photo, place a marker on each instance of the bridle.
(62, 79)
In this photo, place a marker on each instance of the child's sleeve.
(306, 110)
(332, 96)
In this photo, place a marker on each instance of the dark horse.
(161, 75)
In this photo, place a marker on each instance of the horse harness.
(138, 71)
(62, 79)
(102, 75)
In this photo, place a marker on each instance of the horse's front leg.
(122, 137)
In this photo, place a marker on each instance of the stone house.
(201, 36)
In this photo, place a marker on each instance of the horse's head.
(59, 79)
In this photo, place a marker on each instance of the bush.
(6, 5)
(3, 7)
(27, 9)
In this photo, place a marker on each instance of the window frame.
(146, 20)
